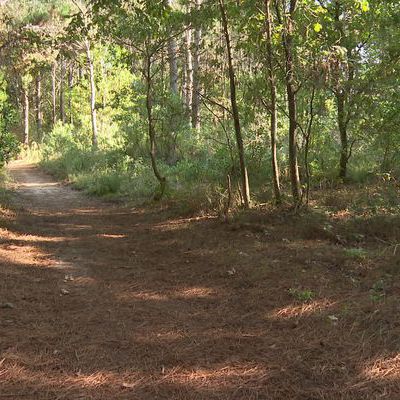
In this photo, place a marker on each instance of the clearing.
(100, 301)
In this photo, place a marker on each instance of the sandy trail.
(41, 193)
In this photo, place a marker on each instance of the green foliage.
(9, 147)
(378, 291)
(304, 296)
(9, 144)
(349, 48)
(4, 192)
(356, 253)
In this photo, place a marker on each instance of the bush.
(9, 147)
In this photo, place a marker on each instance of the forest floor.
(102, 301)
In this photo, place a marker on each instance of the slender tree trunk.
(151, 130)
(342, 93)
(292, 103)
(174, 90)
(344, 144)
(39, 113)
(70, 88)
(307, 138)
(273, 105)
(54, 93)
(62, 92)
(196, 122)
(172, 60)
(188, 71)
(93, 112)
(235, 110)
(26, 116)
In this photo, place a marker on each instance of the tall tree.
(25, 95)
(196, 119)
(93, 111)
(287, 17)
(273, 100)
(39, 112)
(85, 32)
(235, 108)
(188, 70)
(54, 93)
(62, 89)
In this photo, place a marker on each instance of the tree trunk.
(70, 88)
(54, 93)
(273, 105)
(174, 90)
(151, 130)
(62, 92)
(344, 143)
(292, 103)
(235, 110)
(172, 60)
(307, 138)
(342, 93)
(39, 113)
(188, 71)
(26, 116)
(93, 112)
(196, 74)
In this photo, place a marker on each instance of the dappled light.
(385, 368)
(39, 185)
(302, 310)
(199, 200)
(101, 302)
(199, 292)
(111, 236)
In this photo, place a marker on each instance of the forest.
(199, 199)
(192, 100)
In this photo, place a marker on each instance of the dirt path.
(103, 302)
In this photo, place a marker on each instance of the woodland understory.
(209, 104)
(200, 199)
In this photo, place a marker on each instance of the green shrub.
(100, 184)
(304, 296)
(9, 147)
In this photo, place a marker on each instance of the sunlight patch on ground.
(196, 292)
(93, 380)
(28, 256)
(26, 377)
(142, 296)
(29, 238)
(179, 224)
(39, 184)
(75, 227)
(384, 368)
(111, 236)
(9, 235)
(187, 293)
(296, 310)
(220, 377)
(172, 226)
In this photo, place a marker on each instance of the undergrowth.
(6, 204)
(200, 181)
